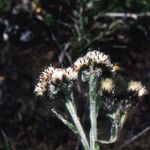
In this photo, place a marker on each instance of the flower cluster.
(107, 88)
(52, 75)
(55, 78)
(119, 93)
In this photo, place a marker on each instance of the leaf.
(117, 119)
(66, 122)
(6, 141)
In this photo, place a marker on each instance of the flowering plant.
(107, 90)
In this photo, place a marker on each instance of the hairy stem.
(66, 122)
(93, 130)
(117, 119)
(72, 110)
(93, 98)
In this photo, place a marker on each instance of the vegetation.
(34, 34)
(104, 92)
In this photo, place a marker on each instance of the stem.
(114, 132)
(72, 110)
(123, 15)
(93, 98)
(66, 122)
(93, 130)
(117, 119)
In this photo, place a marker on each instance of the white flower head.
(40, 87)
(79, 63)
(71, 73)
(99, 58)
(92, 55)
(57, 75)
(137, 87)
(107, 85)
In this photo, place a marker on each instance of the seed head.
(57, 75)
(71, 74)
(107, 85)
(137, 87)
(40, 87)
(98, 58)
(79, 63)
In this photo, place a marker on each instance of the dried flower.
(99, 58)
(71, 74)
(43, 81)
(107, 85)
(53, 75)
(116, 67)
(137, 87)
(57, 75)
(81, 62)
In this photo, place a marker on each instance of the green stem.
(66, 122)
(72, 110)
(117, 119)
(93, 98)
(93, 130)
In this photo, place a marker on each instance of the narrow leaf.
(6, 141)
(66, 122)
